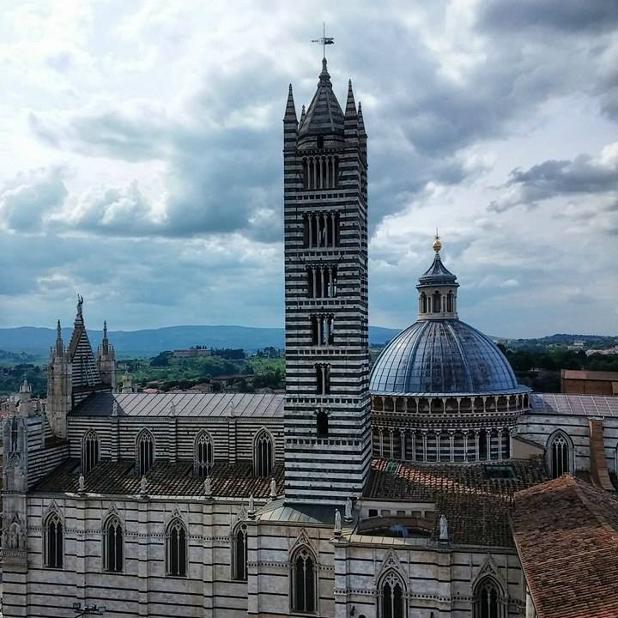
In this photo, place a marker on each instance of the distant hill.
(149, 342)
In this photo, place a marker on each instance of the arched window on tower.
(112, 545)
(263, 454)
(560, 456)
(322, 424)
(304, 582)
(176, 548)
(239, 553)
(145, 452)
(90, 451)
(203, 454)
(54, 543)
(392, 597)
(488, 601)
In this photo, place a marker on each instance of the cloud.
(584, 174)
(25, 200)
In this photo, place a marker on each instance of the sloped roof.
(475, 502)
(578, 405)
(566, 533)
(437, 274)
(184, 404)
(85, 370)
(164, 479)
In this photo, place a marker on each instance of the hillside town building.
(408, 493)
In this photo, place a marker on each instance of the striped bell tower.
(327, 411)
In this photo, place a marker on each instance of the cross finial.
(324, 40)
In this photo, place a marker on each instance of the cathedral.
(431, 486)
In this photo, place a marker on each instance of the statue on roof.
(80, 302)
(337, 521)
(443, 529)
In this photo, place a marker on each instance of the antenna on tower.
(324, 40)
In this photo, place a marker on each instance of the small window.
(322, 378)
(112, 545)
(176, 549)
(239, 556)
(263, 454)
(322, 424)
(320, 141)
(373, 513)
(559, 455)
(54, 545)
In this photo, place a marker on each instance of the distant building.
(191, 353)
(589, 382)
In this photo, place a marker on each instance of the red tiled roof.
(164, 479)
(475, 502)
(566, 533)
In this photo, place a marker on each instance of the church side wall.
(143, 589)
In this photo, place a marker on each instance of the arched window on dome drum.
(449, 302)
(304, 582)
(392, 597)
(54, 544)
(488, 600)
(203, 455)
(263, 454)
(423, 302)
(112, 545)
(90, 451)
(176, 549)
(559, 456)
(239, 556)
(436, 302)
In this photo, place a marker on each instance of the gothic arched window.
(239, 553)
(559, 455)
(54, 545)
(263, 454)
(176, 548)
(488, 599)
(304, 582)
(90, 451)
(112, 545)
(145, 454)
(203, 454)
(392, 597)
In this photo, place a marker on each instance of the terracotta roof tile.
(566, 532)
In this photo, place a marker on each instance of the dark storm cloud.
(584, 174)
(565, 15)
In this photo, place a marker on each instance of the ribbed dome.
(442, 356)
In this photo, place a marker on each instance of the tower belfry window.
(322, 375)
(322, 281)
(321, 230)
(322, 424)
(322, 330)
(321, 172)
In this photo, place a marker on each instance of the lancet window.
(321, 172)
(392, 597)
(239, 553)
(560, 452)
(322, 281)
(145, 452)
(488, 601)
(322, 329)
(203, 454)
(90, 451)
(54, 544)
(263, 454)
(176, 548)
(112, 545)
(304, 582)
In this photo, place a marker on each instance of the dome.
(442, 356)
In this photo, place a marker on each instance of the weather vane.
(324, 40)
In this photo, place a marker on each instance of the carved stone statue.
(443, 528)
(81, 484)
(347, 514)
(208, 486)
(251, 504)
(143, 486)
(337, 521)
(15, 535)
(273, 489)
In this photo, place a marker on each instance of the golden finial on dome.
(437, 243)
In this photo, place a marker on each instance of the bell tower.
(327, 411)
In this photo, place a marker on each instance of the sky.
(141, 163)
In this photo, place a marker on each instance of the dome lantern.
(437, 289)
